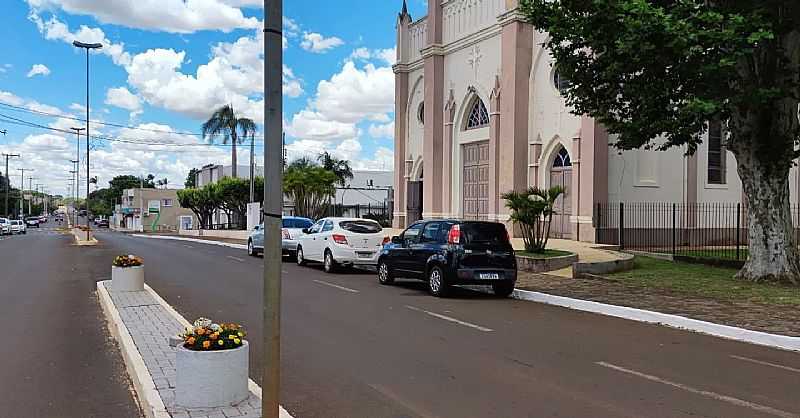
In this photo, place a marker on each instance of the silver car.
(291, 228)
(5, 226)
(18, 227)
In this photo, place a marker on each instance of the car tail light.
(386, 240)
(286, 234)
(454, 237)
(339, 239)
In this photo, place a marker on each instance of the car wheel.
(436, 283)
(251, 250)
(329, 264)
(300, 258)
(385, 275)
(503, 289)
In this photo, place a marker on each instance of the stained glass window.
(478, 116)
(562, 159)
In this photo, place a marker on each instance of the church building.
(479, 111)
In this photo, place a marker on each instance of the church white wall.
(646, 176)
(415, 130)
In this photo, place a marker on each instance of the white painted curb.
(149, 400)
(200, 241)
(733, 333)
(253, 386)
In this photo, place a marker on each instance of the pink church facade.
(479, 112)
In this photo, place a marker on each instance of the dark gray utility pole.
(273, 205)
(87, 47)
(8, 178)
(30, 187)
(22, 191)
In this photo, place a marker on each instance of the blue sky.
(167, 64)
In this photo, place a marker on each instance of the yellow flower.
(230, 337)
(237, 341)
(240, 334)
(221, 342)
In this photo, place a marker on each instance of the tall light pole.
(30, 187)
(75, 173)
(273, 205)
(8, 178)
(87, 47)
(77, 162)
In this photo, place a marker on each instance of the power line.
(97, 122)
(135, 141)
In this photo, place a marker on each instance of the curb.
(200, 241)
(783, 342)
(150, 401)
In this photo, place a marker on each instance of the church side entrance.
(561, 175)
(476, 180)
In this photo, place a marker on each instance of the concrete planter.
(539, 265)
(211, 379)
(127, 279)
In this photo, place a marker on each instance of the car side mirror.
(397, 240)
(306, 230)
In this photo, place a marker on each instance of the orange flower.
(206, 344)
(191, 340)
(200, 331)
(214, 336)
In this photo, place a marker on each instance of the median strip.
(706, 393)
(346, 289)
(450, 319)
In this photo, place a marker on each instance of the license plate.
(489, 276)
(364, 255)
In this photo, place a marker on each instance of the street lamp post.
(30, 187)
(273, 205)
(22, 191)
(87, 47)
(8, 178)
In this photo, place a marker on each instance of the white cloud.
(122, 97)
(175, 16)
(382, 159)
(384, 56)
(316, 43)
(382, 131)
(356, 93)
(38, 69)
(54, 29)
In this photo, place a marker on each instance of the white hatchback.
(341, 242)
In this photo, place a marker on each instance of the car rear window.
(484, 233)
(297, 223)
(361, 227)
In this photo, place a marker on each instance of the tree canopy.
(191, 179)
(341, 168)
(310, 187)
(233, 129)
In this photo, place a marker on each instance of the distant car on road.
(102, 223)
(32, 221)
(291, 228)
(445, 253)
(5, 226)
(18, 227)
(341, 242)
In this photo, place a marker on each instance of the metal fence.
(382, 213)
(706, 230)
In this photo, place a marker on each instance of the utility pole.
(77, 162)
(22, 191)
(30, 202)
(8, 178)
(87, 47)
(273, 205)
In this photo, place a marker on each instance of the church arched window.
(478, 115)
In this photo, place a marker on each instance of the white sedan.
(341, 242)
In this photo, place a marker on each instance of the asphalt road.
(353, 348)
(57, 358)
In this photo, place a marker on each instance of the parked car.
(448, 252)
(102, 223)
(43, 219)
(32, 221)
(291, 228)
(341, 242)
(18, 227)
(5, 226)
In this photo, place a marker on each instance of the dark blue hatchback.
(445, 253)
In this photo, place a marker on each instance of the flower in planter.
(208, 336)
(127, 261)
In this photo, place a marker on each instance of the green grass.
(717, 253)
(712, 282)
(545, 254)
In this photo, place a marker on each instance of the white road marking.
(236, 259)
(766, 363)
(451, 319)
(346, 289)
(706, 393)
(188, 246)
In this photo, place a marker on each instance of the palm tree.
(224, 122)
(339, 167)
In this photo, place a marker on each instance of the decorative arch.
(411, 113)
(550, 152)
(462, 136)
(478, 116)
(416, 170)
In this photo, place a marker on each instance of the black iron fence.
(706, 230)
(382, 213)
(227, 227)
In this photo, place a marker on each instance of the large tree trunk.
(773, 254)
